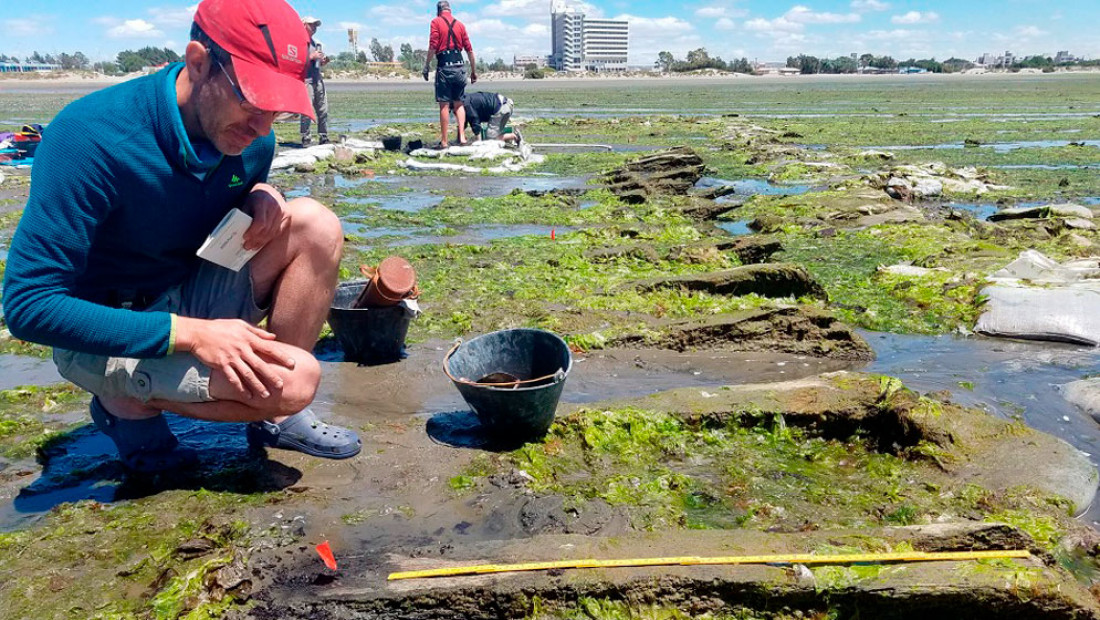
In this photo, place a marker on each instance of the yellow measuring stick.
(805, 558)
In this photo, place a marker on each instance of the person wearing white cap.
(315, 85)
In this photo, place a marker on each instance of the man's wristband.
(172, 335)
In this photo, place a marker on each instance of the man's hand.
(425, 73)
(269, 217)
(245, 353)
(473, 76)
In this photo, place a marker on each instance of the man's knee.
(298, 391)
(315, 224)
(300, 387)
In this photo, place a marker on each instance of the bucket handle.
(557, 375)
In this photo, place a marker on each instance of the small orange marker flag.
(325, 551)
(551, 234)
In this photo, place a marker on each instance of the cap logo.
(292, 52)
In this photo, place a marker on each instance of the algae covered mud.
(740, 307)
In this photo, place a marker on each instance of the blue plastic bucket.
(512, 379)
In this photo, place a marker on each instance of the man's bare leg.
(460, 118)
(297, 271)
(444, 122)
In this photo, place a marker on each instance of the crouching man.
(495, 111)
(103, 265)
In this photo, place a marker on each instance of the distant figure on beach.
(447, 38)
(492, 109)
(103, 266)
(315, 85)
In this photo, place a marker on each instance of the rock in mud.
(754, 249)
(775, 280)
(977, 447)
(750, 250)
(672, 172)
(641, 251)
(1043, 211)
(804, 331)
(915, 590)
(704, 209)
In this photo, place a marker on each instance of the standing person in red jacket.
(446, 41)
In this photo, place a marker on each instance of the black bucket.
(512, 379)
(368, 335)
(391, 143)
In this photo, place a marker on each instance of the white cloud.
(173, 17)
(656, 25)
(536, 30)
(30, 27)
(350, 26)
(725, 24)
(1028, 32)
(135, 29)
(777, 25)
(804, 15)
(795, 20)
(897, 34)
(400, 16)
(487, 27)
(869, 5)
(723, 12)
(533, 9)
(916, 17)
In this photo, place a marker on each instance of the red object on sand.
(325, 551)
(551, 234)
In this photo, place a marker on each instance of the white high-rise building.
(579, 43)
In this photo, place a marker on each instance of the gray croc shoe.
(145, 446)
(304, 432)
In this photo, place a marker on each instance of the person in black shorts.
(492, 110)
(447, 39)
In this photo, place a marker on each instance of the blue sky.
(755, 29)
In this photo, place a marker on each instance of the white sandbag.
(1084, 394)
(309, 155)
(1037, 267)
(510, 165)
(1058, 314)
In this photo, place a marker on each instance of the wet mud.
(700, 415)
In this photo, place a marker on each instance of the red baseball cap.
(269, 46)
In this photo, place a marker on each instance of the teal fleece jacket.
(119, 201)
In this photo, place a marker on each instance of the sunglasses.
(245, 105)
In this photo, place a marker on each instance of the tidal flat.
(722, 399)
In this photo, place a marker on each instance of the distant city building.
(1064, 57)
(774, 68)
(991, 61)
(579, 43)
(520, 63)
(27, 67)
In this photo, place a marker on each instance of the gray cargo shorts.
(211, 292)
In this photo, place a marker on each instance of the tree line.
(410, 59)
(127, 61)
(699, 59)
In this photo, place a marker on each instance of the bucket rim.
(558, 377)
